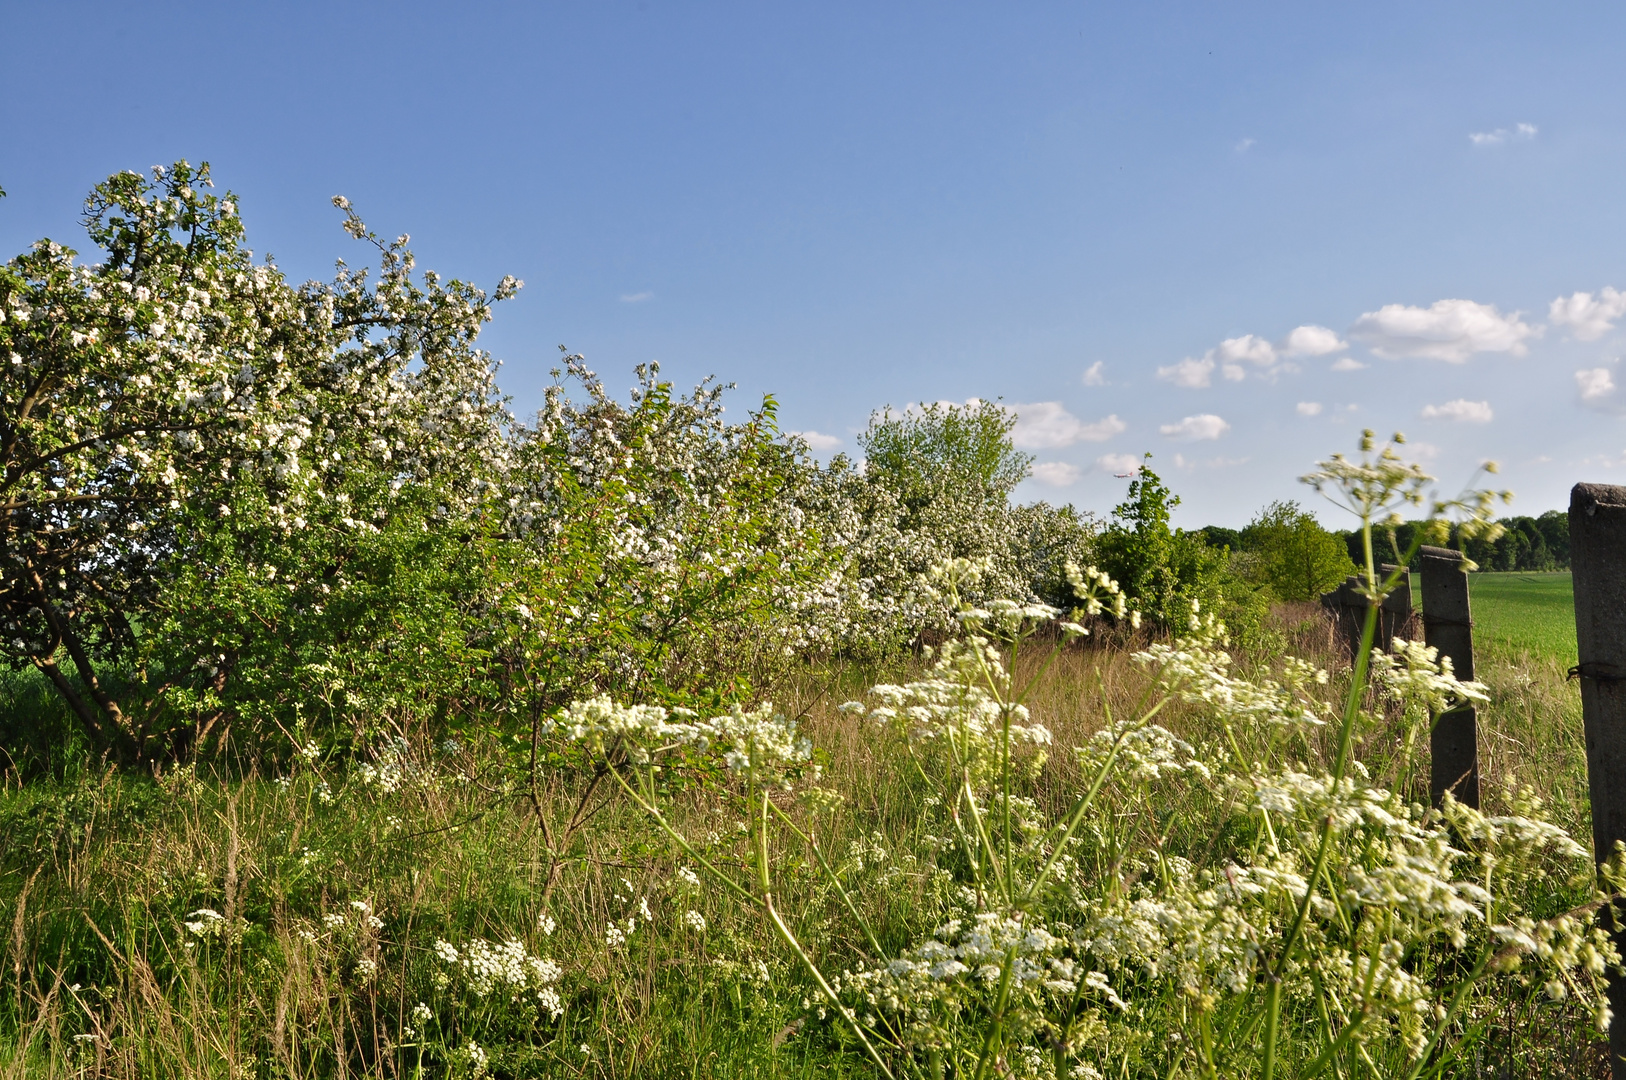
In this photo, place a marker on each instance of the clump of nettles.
(1320, 920)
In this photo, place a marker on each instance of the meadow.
(336, 888)
(1530, 611)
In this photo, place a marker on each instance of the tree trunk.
(105, 721)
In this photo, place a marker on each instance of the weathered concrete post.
(1348, 606)
(1447, 626)
(1598, 563)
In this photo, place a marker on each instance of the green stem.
(1076, 816)
(996, 1025)
(1005, 791)
(1346, 744)
(766, 902)
(1273, 1017)
(1450, 1013)
(852, 909)
(982, 835)
(1329, 1055)
(848, 1015)
(660, 819)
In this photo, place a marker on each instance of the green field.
(1525, 611)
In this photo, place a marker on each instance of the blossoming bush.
(250, 511)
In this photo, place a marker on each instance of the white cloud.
(1311, 341)
(1244, 145)
(1189, 373)
(1201, 426)
(637, 297)
(1233, 353)
(1093, 375)
(1118, 464)
(1349, 363)
(1045, 425)
(1102, 429)
(1233, 357)
(1589, 317)
(1472, 412)
(1056, 473)
(1450, 330)
(1517, 133)
(816, 441)
(1309, 408)
(1597, 385)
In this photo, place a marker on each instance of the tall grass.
(103, 871)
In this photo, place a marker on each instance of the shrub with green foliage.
(1293, 554)
(1163, 569)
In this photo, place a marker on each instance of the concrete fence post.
(1348, 606)
(1598, 565)
(1448, 627)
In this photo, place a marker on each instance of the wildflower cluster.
(759, 743)
(1196, 669)
(953, 706)
(1320, 886)
(1420, 680)
(508, 970)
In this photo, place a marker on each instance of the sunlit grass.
(1535, 612)
(456, 855)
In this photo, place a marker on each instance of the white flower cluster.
(1417, 677)
(1202, 930)
(1098, 594)
(392, 767)
(760, 742)
(955, 704)
(1144, 752)
(205, 922)
(966, 965)
(1196, 668)
(1377, 488)
(508, 969)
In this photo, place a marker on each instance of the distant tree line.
(1286, 548)
(1529, 543)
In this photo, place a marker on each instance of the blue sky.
(1083, 209)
